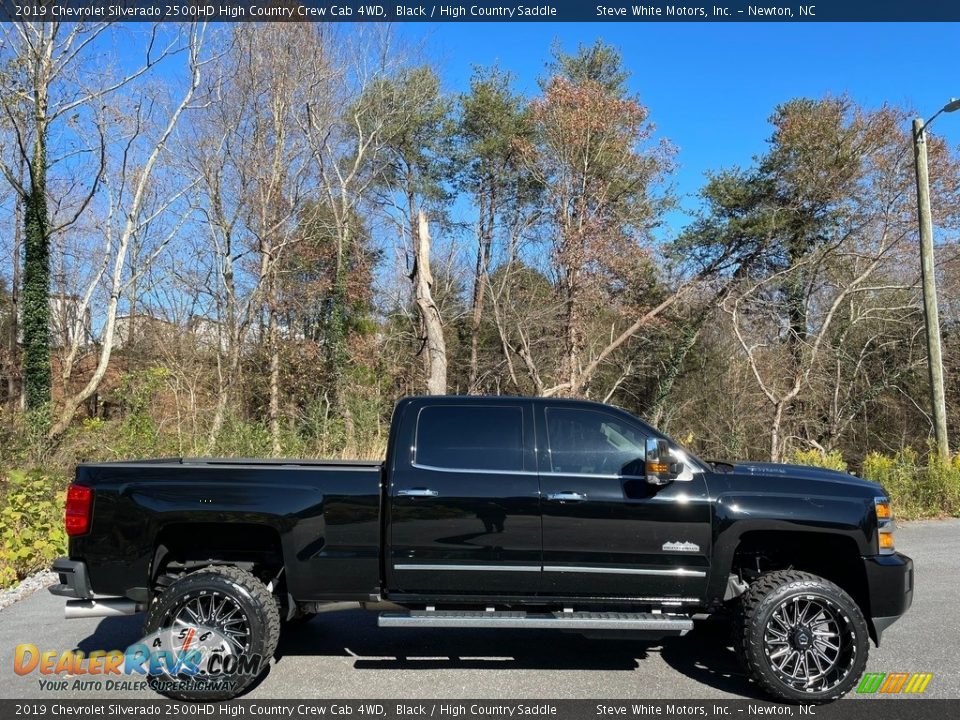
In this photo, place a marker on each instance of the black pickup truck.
(495, 512)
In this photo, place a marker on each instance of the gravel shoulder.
(27, 587)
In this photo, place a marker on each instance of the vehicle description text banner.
(482, 11)
(918, 709)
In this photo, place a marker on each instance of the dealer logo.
(894, 683)
(185, 655)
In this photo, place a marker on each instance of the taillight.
(79, 504)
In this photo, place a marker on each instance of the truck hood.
(805, 472)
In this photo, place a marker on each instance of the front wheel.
(800, 637)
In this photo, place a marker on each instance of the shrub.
(139, 432)
(832, 460)
(31, 524)
(918, 488)
(242, 438)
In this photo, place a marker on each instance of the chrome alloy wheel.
(809, 643)
(215, 611)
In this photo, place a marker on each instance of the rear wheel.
(237, 607)
(800, 637)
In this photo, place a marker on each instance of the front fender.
(736, 514)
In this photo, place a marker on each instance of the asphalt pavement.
(345, 655)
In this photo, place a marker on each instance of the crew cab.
(499, 512)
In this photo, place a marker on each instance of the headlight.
(885, 525)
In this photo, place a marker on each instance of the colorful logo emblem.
(894, 683)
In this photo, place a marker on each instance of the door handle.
(417, 492)
(567, 496)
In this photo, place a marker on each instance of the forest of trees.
(213, 246)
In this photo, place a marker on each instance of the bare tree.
(841, 181)
(257, 177)
(782, 389)
(412, 180)
(346, 123)
(51, 85)
(128, 216)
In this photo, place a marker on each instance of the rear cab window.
(470, 437)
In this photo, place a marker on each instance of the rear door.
(464, 514)
(606, 533)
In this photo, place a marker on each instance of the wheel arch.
(184, 547)
(833, 556)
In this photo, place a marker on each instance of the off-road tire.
(754, 612)
(249, 593)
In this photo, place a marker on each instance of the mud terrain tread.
(258, 593)
(748, 636)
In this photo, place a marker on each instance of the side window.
(470, 437)
(590, 441)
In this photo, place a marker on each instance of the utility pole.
(930, 311)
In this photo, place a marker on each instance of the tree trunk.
(219, 412)
(480, 280)
(349, 433)
(775, 430)
(574, 341)
(336, 331)
(435, 347)
(274, 344)
(36, 277)
(226, 380)
(131, 338)
(14, 389)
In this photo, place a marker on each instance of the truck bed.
(323, 515)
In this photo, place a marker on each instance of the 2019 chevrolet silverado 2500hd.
(498, 512)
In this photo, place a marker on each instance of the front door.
(607, 533)
(465, 504)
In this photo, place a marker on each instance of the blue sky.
(711, 87)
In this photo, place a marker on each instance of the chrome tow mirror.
(659, 466)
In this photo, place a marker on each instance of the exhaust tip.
(102, 607)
